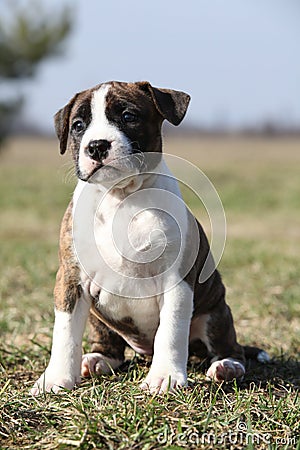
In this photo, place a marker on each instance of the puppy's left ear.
(61, 123)
(172, 105)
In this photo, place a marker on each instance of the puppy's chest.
(126, 243)
(132, 240)
(122, 246)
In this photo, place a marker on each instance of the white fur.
(100, 128)
(171, 309)
(102, 238)
(226, 369)
(96, 363)
(64, 368)
(168, 369)
(144, 312)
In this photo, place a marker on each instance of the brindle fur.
(67, 288)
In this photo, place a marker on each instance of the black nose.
(98, 149)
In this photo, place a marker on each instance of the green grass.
(258, 182)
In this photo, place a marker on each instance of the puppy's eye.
(129, 117)
(78, 126)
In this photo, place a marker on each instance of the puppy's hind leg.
(107, 349)
(216, 331)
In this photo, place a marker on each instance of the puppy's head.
(104, 126)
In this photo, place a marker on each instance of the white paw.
(161, 382)
(53, 383)
(96, 363)
(263, 357)
(226, 370)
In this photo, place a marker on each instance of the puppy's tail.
(257, 354)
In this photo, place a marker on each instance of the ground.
(258, 182)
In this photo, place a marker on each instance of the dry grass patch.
(258, 182)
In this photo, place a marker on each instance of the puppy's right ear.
(61, 123)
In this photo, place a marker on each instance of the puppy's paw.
(159, 383)
(52, 383)
(97, 364)
(226, 370)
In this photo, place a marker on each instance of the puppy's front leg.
(71, 312)
(63, 370)
(168, 369)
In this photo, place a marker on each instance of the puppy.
(131, 254)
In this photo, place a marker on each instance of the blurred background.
(238, 60)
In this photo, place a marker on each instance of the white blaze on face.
(100, 128)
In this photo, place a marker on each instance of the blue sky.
(239, 59)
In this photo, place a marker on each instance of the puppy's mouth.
(109, 168)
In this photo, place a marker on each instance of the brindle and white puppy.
(101, 127)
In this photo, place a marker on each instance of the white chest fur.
(130, 244)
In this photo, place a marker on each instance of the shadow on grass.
(281, 373)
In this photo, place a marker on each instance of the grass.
(258, 181)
